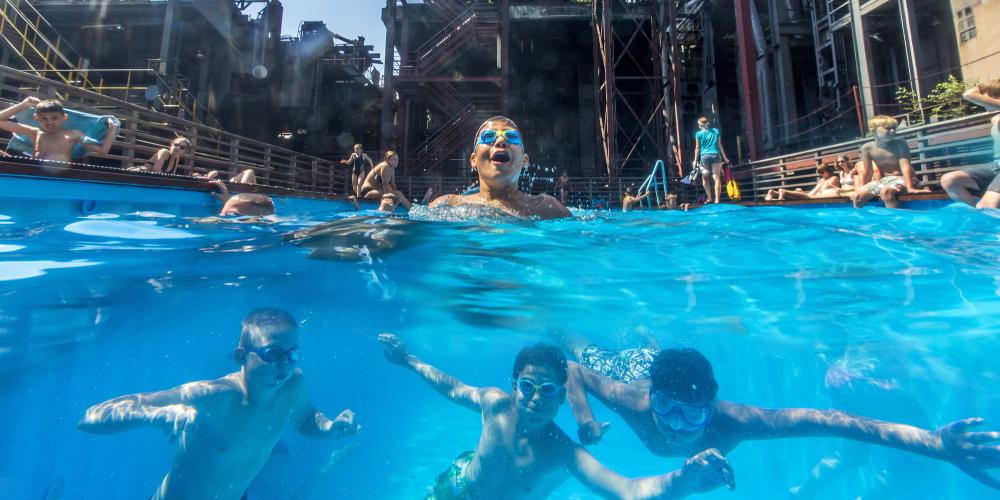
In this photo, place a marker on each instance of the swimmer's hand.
(176, 419)
(395, 348)
(707, 471)
(344, 424)
(591, 432)
(970, 451)
(30, 101)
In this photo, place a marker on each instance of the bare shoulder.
(493, 399)
(448, 199)
(548, 207)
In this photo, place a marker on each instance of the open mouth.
(500, 157)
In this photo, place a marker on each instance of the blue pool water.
(122, 300)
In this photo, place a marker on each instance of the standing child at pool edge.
(226, 428)
(51, 141)
(360, 164)
(892, 157)
(981, 180)
(709, 157)
(498, 157)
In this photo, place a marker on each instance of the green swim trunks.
(452, 484)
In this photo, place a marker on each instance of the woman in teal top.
(709, 157)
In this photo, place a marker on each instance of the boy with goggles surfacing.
(668, 399)
(226, 428)
(523, 454)
(498, 157)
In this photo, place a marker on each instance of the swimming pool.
(127, 298)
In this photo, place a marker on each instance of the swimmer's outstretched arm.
(969, 451)
(173, 410)
(447, 385)
(700, 474)
(223, 194)
(314, 423)
(610, 392)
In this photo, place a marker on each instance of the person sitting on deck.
(498, 157)
(892, 157)
(241, 204)
(167, 160)
(668, 398)
(50, 141)
(827, 186)
(522, 453)
(967, 184)
(381, 181)
(226, 428)
(847, 178)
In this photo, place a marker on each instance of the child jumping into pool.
(970, 183)
(241, 204)
(360, 163)
(227, 427)
(668, 398)
(50, 140)
(498, 156)
(381, 181)
(521, 451)
(892, 157)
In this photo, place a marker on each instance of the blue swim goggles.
(489, 136)
(679, 416)
(528, 388)
(273, 353)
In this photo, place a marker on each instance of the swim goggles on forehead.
(489, 136)
(680, 416)
(273, 353)
(528, 388)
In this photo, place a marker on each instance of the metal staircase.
(41, 50)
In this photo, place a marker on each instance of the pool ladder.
(656, 185)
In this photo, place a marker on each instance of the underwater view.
(889, 314)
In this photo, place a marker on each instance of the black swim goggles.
(274, 353)
(528, 388)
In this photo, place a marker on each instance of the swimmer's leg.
(890, 197)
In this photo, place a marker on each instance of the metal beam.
(861, 56)
(748, 79)
(387, 132)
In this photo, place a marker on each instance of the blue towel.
(94, 128)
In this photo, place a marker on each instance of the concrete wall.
(986, 41)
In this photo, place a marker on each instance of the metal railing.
(655, 183)
(39, 44)
(935, 149)
(144, 132)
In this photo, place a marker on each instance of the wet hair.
(825, 168)
(990, 88)
(882, 121)
(389, 154)
(542, 354)
(703, 121)
(49, 106)
(257, 200)
(684, 375)
(262, 321)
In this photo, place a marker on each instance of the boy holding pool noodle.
(50, 141)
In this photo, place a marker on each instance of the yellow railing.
(39, 50)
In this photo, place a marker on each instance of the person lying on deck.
(226, 428)
(167, 160)
(522, 453)
(50, 141)
(828, 186)
(498, 157)
(980, 181)
(668, 398)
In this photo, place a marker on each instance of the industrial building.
(603, 88)
(222, 63)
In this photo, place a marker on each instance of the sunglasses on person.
(489, 136)
(528, 388)
(273, 353)
(680, 416)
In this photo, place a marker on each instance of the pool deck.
(27, 167)
(843, 200)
